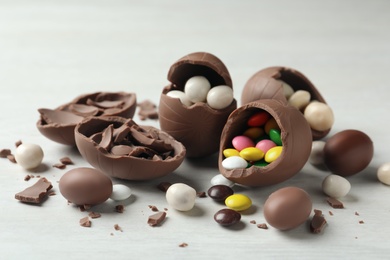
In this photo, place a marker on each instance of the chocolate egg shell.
(85, 186)
(122, 149)
(198, 126)
(348, 152)
(266, 84)
(296, 139)
(58, 124)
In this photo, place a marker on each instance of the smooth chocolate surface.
(156, 219)
(58, 124)
(199, 126)
(35, 193)
(296, 139)
(266, 84)
(126, 150)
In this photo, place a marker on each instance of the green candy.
(274, 135)
(260, 163)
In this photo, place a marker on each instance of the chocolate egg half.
(197, 126)
(295, 137)
(58, 124)
(268, 84)
(122, 149)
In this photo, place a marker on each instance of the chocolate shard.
(4, 153)
(148, 139)
(157, 218)
(35, 193)
(106, 141)
(58, 117)
(84, 110)
(147, 110)
(85, 222)
(335, 203)
(318, 222)
(106, 103)
(121, 150)
(66, 160)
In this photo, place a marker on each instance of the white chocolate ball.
(319, 116)
(383, 173)
(317, 153)
(220, 97)
(181, 197)
(288, 91)
(29, 156)
(196, 89)
(336, 186)
(180, 95)
(120, 192)
(300, 99)
(219, 179)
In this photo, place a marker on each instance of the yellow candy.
(230, 152)
(273, 154)
(271, 124)
(252, 154)
(254, 132)
(238, 202)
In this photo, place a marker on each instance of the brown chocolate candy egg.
(268, 84)
(58, 124)
(348, 152)
(287, 208)
(122, 149)
(295, 137)
(197, 125)
(85, 186)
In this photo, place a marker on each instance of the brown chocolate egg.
(197, 126)
(122, 149)
(58, 124)
(295, 137)
(85, 186)
(268, 84)
(287, 208)
(348, 152)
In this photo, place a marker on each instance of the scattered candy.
(219, 179)
(230, 152)
(254, 132)
(220, 192)
(258, 119)
(274, 135)
(120, 192)
(271, 124)
(319, 116)
(227, 217)
(29, 156)
(317, 153)
(252, 154)
(335, 186)
(196, 89)
(299, 99)
(220, 97)
(241, 142)
(234, 162)
(273, 154)
(265, 145)
(238, 202)
(181, 197)
(383, 173)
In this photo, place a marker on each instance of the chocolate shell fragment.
(36, 193)
(156, 219)
(335, 203)
(318, 222)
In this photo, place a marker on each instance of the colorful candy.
(234, 162)
(252, 154)
(274, 134)
(230, 152)
(227, 217)
(220, 192)
(258, 119)
(273, 154)
(238, 202)
(265, 145)
(219, 179)
(241, 142)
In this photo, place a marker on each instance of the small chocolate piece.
(17, 143)
(227, 217)
(183, 245)
(59, 166)
(163, 186)
(11, 158)
(66, 160)
(85, 222)
(357, 213)
(262, 226)
(51, 193)
(318, 222)
(252, 222)
(36, 193)
(335, 203)
(94, 214)
(118, 228)
(147, 110)
(330, 213)
(361, 222)
(4, 153)
(27, 177)
(201, 194)
(119, 208)
(156, 219)
(153, 208)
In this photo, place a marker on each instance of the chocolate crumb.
(66, 160)
(118, 228)
(262, 226)
(163, 186)
(17, 143)
(59, 166)
(153, 208)
(201, 194)
(94, 214)
(318, 222)
(330, 213)
(119, 208)
(51, 193)
(361, 222)
(83, 207)
(35, 193)
(335, 203)
(357, 213)
(27, 177)
(183, 245)
(252, 221)
(166, 209)
(85, 222)
(11, 158)
(156, 219)
(148, 110)
(4, 153)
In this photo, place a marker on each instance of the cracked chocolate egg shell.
(122, 149)
(58, 124)
(197, 126)
(295, 136)
(267, 84)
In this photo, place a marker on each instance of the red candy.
(258, 119)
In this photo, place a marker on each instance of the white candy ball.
(220, 97)
(29, 156)
(181, 197)
(300, 99)
(288, 91)
(120, 192)
(196, 89)
(383, 173)
(319, 116)
(180, 95)
(336, 186)
(219, 179)
(234, 162)
(317, 153)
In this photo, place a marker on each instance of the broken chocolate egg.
(122, 149)
(197, 125)
(276, 83)
(287, 158)
(58, 124)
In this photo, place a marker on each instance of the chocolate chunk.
(118, 228)
(150, 140)
(156, 219)
(51, 193)
(36, 193)
(153, 208)
(106, 141)
(335, 203)
(66, 160)
(163, 186)
(94, 214)
(59, 166)
(106, 103)
(330, 213)
(183, 245)
(85, 222)
(252, 221)
(27, 177)
(318, 222)
(119, 208)
(4, 153)
(17, 143)
(361, 222)
(147, 110)
(201, 194)
(262, 226)
(11, 158)
(357, 213)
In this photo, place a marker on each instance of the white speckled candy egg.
(220, 97)
(29, 156)
(181, 197)
(219, 179)
(120, 192)
(180, 95)
(335, 186)
(317, 153)
(383, 173)
(319, 116)
(196, 89)
(234, 162)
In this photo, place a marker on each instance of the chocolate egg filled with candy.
(260, 165)
(194, 107)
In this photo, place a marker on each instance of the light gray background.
(53, 51)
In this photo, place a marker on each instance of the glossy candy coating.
(29, 156)
(219, 179)
(238, 202)
(120, 192)
(265, 145)
(196, 89)
(252, 154)
(241, 142)
(335, 186)
(220, 97)
(258, 119)
(227, 217)
(273, 154)
(319, 116)
(220, 192)
(181, 197)
(234, 162)
(230, 152)
(383, 173)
